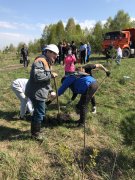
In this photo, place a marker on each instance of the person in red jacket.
(69, 62)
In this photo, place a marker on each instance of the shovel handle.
(58, 106)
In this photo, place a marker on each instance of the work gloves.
(52, 96)
(108, 73)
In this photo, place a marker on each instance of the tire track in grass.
(11, 67)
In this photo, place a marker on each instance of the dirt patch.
(60, 119)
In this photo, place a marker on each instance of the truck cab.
(125, 39)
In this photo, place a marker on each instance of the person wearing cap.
(38, 87)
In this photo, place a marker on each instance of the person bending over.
(88, 69)
(80, 83)
(18, 86)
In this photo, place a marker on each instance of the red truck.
(125, 39)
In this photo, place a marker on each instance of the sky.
(24, 21)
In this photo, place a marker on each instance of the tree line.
(55, 33)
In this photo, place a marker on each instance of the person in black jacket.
(24, 55)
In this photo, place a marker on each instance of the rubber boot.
(35, 131)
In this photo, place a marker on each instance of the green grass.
(110, 134)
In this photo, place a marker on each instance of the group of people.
(38, 87)
(82, 52)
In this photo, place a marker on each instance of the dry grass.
(109, 146)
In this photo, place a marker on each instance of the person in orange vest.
(38, 87)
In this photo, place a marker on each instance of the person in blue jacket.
(80, 83)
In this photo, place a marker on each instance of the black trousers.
(83, 53)
(85, 99)
(93, 101)
(25, 62)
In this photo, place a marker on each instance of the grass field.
(109, 135)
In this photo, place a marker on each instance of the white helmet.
(53, 48)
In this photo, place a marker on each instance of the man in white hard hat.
(38, 87)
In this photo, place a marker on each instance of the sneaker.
(94, 110)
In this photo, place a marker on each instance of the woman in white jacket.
(18, 86)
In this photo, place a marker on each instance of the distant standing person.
(88, 51)
(74, 48)
(83, 52)
(119, 55)
(24, 55)
(69, 62)
(18, 86)
(60, 53)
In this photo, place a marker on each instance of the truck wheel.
(126, 53)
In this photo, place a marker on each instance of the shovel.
(58, 105)
(60, 117)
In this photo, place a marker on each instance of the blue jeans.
(118, 60)
(39, 110)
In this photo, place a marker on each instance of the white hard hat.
(53, 48)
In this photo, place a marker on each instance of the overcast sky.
(22, 21)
